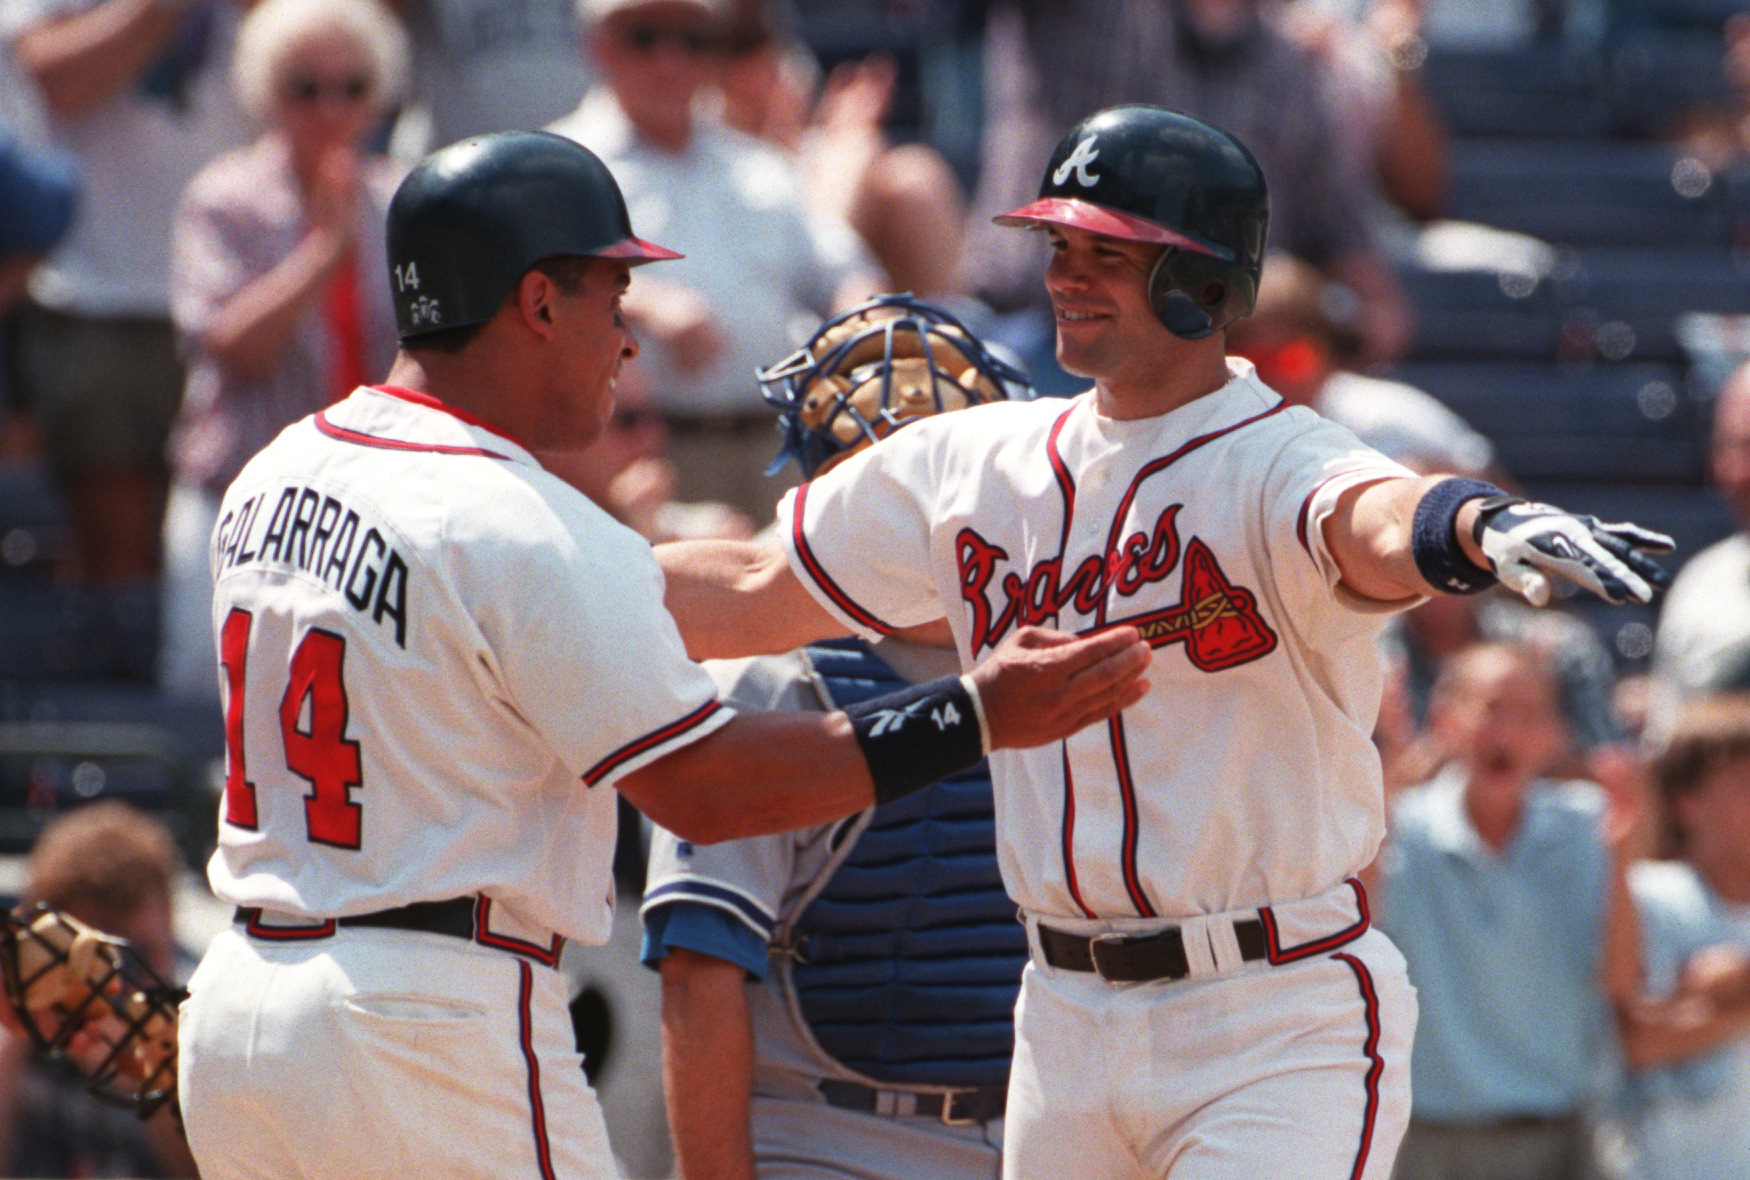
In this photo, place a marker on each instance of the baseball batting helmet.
(472, 218)
(1148, 174)
(873, 369)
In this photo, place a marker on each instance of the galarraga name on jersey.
(310, 532)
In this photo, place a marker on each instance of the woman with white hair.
(278, 285)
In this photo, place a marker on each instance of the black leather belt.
(454, 917)
(955, 1108)
(1141, 958)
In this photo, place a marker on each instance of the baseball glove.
(875, 368)
(89, 996)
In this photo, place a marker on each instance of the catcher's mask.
(873, 369)
(64, 979)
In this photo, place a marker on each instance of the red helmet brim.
(1098, 219)
(636, 251)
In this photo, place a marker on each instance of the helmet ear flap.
(1178, 312)
(1192, 295)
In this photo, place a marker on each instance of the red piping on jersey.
(1066, 482)
(537, 1107)
(393, 444)
(1300, 526)
(1280, 954)
(1115, 728)
(432, 403)
(254, 928)
(1069, 835)
(1376, 1064)
(547, 956)
(1132, 823)
(649, 741)
(818, 572)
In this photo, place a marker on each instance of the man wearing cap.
(755, 264)
(436, 658)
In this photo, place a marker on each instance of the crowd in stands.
(1508, 241)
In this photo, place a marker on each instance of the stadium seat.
(1540, 91)
(1633, 423)
(1578, 193)
(1481, 314)
(1653, 77)
(1635, 299)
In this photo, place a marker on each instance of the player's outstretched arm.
(1402, 537)
(739, 598)
(707, 1065)
(773, 772)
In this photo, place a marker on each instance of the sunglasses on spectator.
(309, 89)
(645, 38)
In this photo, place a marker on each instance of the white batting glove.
(1528, 542)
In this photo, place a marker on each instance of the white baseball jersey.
(437, 659)
(1247, 776)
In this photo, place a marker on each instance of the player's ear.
(535, 294)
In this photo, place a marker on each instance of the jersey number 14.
(319, 752)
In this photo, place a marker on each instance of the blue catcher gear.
(873, 369)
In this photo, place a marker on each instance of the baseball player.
(436, 659)
(876, 1039)
(1205, 996)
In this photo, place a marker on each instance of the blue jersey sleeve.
(705, 929)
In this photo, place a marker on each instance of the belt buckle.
(1095, 942)
(948, 1117)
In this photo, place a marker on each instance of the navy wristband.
(918, 735)
(1434, 537)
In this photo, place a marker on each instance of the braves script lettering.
(1218, 622)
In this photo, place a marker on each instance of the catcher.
(93, 1004)
(837, 1000)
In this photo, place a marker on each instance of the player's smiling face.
(599, 342)
(1099, 297)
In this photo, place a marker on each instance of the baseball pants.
(1240, 1071)
(810, 1141)
(380, 1055)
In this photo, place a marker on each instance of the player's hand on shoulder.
(1040, 686)
(1528, 543)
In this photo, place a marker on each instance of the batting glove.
(1527, 542)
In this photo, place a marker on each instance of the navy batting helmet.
(1152, 175)
(472, 218)
(873, 369)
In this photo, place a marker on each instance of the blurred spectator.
(904, 201)
(1504, 890)
(626, 471)
(1302, 339)
(487, 65)
(1702, 641)
(278, 284)
(1425, 637)
(38, 190)
(1687, 1042)
(112, 867)
(756, 268)
(1050, 64)
(1719, 135)
(137, 90)
(1393, 133)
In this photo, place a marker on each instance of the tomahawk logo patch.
(425, 311)
(1086, 153)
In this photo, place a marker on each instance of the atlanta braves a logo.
(1218, 622)
(1085, 153)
